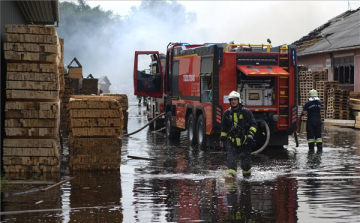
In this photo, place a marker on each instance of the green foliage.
(3, 183)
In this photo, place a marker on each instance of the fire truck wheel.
(200, 130)
(171, 133)
(191, 129)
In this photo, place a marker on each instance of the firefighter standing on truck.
(238, 128)
(312, 109)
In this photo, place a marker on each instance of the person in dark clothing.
(312, 109)
(238, 128)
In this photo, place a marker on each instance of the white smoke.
(151, 26)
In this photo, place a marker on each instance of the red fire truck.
(190, 85)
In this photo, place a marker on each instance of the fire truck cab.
(191, 83)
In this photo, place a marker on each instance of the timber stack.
(72, 87)
(338, 104)
(124, 106)
(32, 109)
(89, 85)
(96, 128)
(355, 107)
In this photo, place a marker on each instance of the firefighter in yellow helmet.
(238, 128)
(312, 109)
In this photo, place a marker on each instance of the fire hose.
(266, 141)
(153, 120)
(254, 153)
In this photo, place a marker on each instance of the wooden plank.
(32, 67)
(31, 143)
(32, 94)
(31, 114)
(32, 132)
(27, 76)
(97, 160)
(30, 160)
(94, 167)
(95, 150)
(31, 168)
(32, 105)
(97, 142)
(29, 152)
(31, 123)
(23, 182)
(140, 157)
(31, 38)
(30, 29)
(32, 47)
(33, 57)
(97, 131)
(95, 102)
(96, 122)
(93, 113)
(57, 184)
(32, 85)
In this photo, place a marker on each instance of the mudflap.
(279, 139)
(212, 141)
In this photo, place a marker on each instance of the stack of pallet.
(320, 76)
(355, 107)
(338, 104)
(72, 87)
(32, 108)
(322, 88)
(306, 83)
(96, 126)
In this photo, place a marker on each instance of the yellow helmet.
(235, 94)
(313, 93)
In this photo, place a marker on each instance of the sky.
(283, 22)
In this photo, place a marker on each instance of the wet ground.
(185, 184)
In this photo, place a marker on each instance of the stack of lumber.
(338, 104)
(124, 106)
(355, 107)
(61, 68)
(89, 86)
(32, 109)
(96, 128)
(72, 87)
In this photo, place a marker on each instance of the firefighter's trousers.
(233, 153)
(313, 131)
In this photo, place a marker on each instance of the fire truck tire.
(201, 132)
(191, 129)
(171, 133)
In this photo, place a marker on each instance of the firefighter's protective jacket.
(237, 124)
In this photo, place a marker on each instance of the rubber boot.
(311, 146)
(319, 147)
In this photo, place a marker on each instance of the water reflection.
(185, 184)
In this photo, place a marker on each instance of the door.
(148, 74)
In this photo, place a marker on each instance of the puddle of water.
(184, 184)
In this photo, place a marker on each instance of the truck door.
(148, 74)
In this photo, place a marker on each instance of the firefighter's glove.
(249, 139)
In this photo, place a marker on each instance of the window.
(344, 70)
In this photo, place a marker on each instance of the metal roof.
(44, 12)
(339, 33)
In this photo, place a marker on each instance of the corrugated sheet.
(342, 33)
(40, 12)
